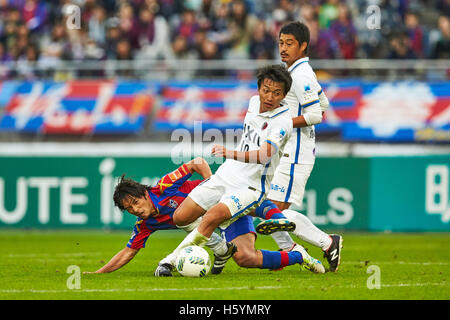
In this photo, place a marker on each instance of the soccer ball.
(193, 261)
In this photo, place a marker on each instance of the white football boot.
(309, 262)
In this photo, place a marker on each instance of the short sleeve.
(306, 91)
(279, 132)
(139, 235)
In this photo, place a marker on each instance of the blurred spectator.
(441, 46)
(34, 14)
(443, 7)
(307, 13)
(344, 33)
(241, 27)
(124, 52)
(97, 25)
(187, 26)
(262, 45)
(209, 51)
(290, 9)
(170, 8)
(219, 32)
(415, 33)
(54, 48)
(150, 34)
(322, 45)
(181, 54)
(126, 22)
(4, 55)
(400, 48)
(328, 12)
(27, 63)
(113, 35)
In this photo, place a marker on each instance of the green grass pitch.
(34, 264)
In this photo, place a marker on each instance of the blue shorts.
(241, 226)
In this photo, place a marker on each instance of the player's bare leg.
(247, 256)
(187, 212)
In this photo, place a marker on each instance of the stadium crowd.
(35, 31)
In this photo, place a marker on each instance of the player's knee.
(218, 214)
(179, 218)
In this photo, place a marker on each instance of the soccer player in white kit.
(240, 184)
(307, 103)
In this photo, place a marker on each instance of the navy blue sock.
(279, 259)
(268, 210)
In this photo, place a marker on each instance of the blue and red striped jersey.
(168, 193)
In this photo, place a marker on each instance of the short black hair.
(299, 30)
(125, 188)
(276, 73)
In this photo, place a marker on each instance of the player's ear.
(303, 47)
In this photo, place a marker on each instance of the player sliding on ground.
(154, 208)
(241, 182)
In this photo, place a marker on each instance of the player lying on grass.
(241, 182)
(154, 208)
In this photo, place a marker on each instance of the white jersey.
(305, 95)
(274, 127)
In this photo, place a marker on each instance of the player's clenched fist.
(219, 151)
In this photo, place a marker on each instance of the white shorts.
(240, 200)
(289, 182)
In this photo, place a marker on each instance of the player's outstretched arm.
(262, 155)
(118, 261)
(200, 166)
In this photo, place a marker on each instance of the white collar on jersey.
(273, 113)
(254, 108)
(297, 63)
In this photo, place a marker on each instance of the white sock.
(191, 226)
(170, 259)
(307, 231)
(217, 244)
(283, 240)
(194, 238)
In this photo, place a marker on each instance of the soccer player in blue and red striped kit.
(154, 208)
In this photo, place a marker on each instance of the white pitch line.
(397, 262)
(135, 290)
(52, 255)
(445, 284)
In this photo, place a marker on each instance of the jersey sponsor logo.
(309, 95)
